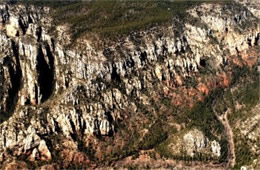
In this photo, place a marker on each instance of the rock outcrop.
(195, 142)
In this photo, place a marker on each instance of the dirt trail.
(231, 158)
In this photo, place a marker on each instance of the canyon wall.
(49, 87)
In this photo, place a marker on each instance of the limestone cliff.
(54, 96)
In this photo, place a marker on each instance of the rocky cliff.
(61, 98)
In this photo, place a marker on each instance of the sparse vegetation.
(157, 133)
(113, 18)
(244, 155)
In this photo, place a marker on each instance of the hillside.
(129, 84)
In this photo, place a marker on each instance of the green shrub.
(244, 156)
(155, 136)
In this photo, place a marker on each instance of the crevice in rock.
(143, 57)
(237, 50)
(109, 117)
(39, 33)
(56, 126)
(50, 57)
(96, 128)
(257, 39)
(66, 83)
(164, 50)
(22, 26)
(111, 121)
(53, 44)
(5, 15)
(130, 62)
(73, 135)
(15, 78)
(30, 19)
(36, 93)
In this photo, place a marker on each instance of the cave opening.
(249, 42)
(115, 76)
(45, 74)
(27, 101)
(226, 29)
(203, 63)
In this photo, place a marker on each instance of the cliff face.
(50, 89)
